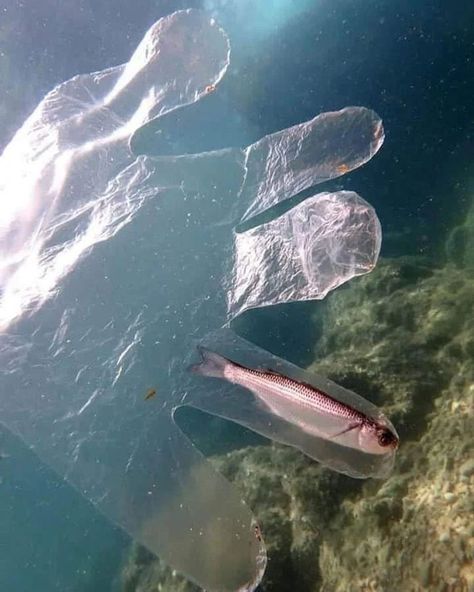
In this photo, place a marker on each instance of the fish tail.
(212, 364)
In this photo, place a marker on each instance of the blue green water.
(408, 61)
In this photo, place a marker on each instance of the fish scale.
(294, 390)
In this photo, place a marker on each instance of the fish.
(310, 408)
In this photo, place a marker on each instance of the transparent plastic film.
(320, 244)
(113, 266)
(328, 146)
(68, 179)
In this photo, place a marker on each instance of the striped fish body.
(301, 404)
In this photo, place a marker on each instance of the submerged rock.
(403, 337)
(398, 336)
(143, 572)
(413, 531)
(405, 333)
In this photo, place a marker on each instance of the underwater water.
(145, 206)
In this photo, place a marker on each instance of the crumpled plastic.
(114, 266)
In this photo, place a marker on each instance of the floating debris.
(151, 392)
(342, 169)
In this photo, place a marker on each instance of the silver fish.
(313, 410)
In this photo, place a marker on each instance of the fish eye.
(385, 437)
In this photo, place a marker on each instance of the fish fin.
(351, 427)
(211, 364)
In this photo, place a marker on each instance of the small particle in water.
(151, 392)
(210, 88)
(4, 455)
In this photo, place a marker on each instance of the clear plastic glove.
(114, 266)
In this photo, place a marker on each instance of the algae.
(413, 347)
